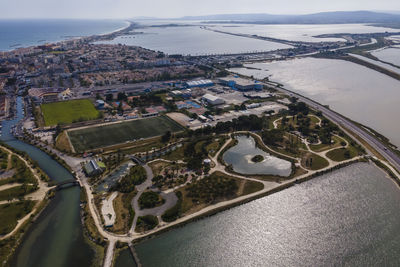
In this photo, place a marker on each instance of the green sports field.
(116, 133)
(68, 111)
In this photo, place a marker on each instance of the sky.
(92, 9)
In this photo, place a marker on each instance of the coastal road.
(391, 157)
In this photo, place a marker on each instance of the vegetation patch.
(336, 142)
(257, 158)
(252, 187)
(17, 192)
(22, 174)
(124, 213)
(10, 214)
(341, 154)
(150, 199)
(173, 213)
(62, 142)
(66, 112)
(313, 162)
(117, 133)
(137, 175)
(211, 188)
(146, 223)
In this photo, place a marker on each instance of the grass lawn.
(322, 147)
(117, 133)
(313, 162)
(68, 111)
(339, 154)
(62, 142)
(11, 213)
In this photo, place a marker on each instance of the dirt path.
(38, 195)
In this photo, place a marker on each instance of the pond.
(241, 154)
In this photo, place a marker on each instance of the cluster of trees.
(3, 160)
(170, 179)
(272, 137)
(298, 107)
(211, 188)
(137, 175)
(113, 160)
(242, 123)
(22, 173)
(325, 133)
(166, 137)
(150, 199)
(146, 223)
(195, 157)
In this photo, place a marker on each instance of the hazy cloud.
(177, 8)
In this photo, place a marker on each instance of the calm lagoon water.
(355, 91)
(240, 157)
(29, 32)
(303, 33)
(350, 217)
(192, 40)
(391, 55)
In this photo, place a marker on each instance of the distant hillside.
(317, 18)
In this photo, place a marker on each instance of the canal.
(56, 238)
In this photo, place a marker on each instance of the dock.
(134, 255)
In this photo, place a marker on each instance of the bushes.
(257, 158)
(173, 213)
(145, 223)
(137, 175)
(212, 187)
(149, 200)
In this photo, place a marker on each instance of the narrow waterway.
(56, 238)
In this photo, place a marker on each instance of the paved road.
(338, 119)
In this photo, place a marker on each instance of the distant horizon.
(394, 12)
(172, 9)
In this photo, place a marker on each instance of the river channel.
(56, 238)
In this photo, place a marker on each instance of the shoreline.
(67, 39)
(256, 195)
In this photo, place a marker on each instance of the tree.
(109, 97)
(166, 137)
(121, 96)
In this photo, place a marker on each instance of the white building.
(213, 100)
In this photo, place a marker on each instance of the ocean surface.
(350, 217)
(24, 33)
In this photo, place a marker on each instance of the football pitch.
(116, 133)
(66, 112)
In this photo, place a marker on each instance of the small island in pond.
(257, 158)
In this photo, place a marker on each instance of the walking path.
(38, 195)
(171, 198)
(107, 210)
